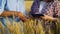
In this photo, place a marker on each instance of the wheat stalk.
(1, 28)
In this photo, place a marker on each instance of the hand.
(46, 17)
(22, 17)
(56, 19)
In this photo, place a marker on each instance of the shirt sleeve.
(57, 10)
(21, 6)
(2, 4)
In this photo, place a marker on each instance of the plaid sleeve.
(34, 8)
(57, 10)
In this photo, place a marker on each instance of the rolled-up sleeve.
(21, 6)
(2, 4)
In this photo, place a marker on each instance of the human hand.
(23, 17)
(46, 17)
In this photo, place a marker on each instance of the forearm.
(46, 17)
(15, 13)
(9, 13)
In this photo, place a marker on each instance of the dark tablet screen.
(37, 15)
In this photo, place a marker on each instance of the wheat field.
(28, 27)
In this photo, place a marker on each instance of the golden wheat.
(1, 28)
(29, 27)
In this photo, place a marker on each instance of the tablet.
(37, 15)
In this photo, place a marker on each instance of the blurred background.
(28, 4)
